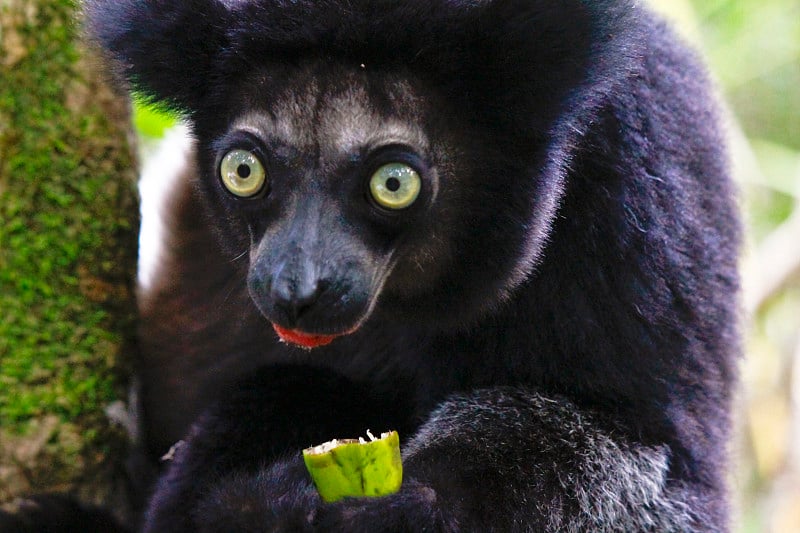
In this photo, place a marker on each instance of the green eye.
(395, 186)
(242, 173)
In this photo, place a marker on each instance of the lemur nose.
(295, 289)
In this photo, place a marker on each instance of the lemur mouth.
(304, 340)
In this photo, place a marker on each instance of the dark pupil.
(243, 170)
(393, 184)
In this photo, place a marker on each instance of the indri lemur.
(503, 227)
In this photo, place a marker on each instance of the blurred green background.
(753, 50)
(752, 47)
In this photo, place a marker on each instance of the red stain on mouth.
(303, 339)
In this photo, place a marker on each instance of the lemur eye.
(242, 173)
(395, 186)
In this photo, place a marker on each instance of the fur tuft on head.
(179, 52)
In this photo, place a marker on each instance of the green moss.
(67, 237)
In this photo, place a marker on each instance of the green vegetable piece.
(356, 468)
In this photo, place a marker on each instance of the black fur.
(552, 326)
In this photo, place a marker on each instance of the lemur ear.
(163, 48)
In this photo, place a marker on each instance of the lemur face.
(330, 184)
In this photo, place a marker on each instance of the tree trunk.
(68, 222)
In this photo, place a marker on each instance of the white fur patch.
(162, 164)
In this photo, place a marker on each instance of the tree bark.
(68, 223)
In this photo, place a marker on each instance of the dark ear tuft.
(163, 48)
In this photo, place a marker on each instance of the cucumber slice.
(344, 468)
